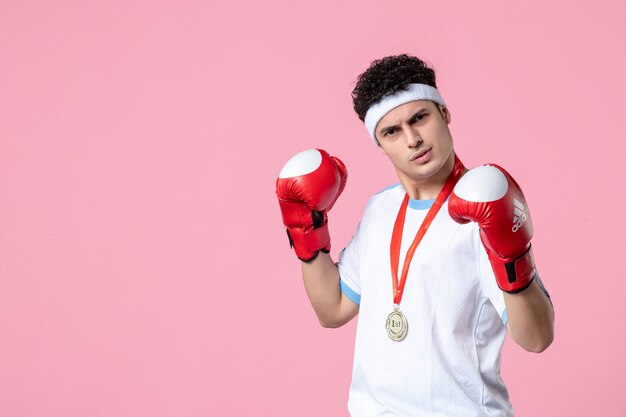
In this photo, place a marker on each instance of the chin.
(431, 168)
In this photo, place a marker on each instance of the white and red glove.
(307, 187)
(489, 196)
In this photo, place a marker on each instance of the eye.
(390, 132)
(419, 117)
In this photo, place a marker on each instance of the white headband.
(415, 92)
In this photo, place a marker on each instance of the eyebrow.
(397, 126)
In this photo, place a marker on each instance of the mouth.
(421, 154)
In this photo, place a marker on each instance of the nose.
(413, 138)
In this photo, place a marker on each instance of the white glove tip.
(482, 184)
(301, 163)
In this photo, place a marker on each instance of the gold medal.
(396, 325)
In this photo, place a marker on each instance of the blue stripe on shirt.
(504, 317)
(349, 292)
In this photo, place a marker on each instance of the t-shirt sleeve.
(349, 268)
(488, 281)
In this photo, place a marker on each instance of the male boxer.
(439, 268)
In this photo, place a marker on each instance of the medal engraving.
(396, 325)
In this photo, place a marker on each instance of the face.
(416, 138)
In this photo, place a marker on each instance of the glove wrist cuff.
(514, 276)
(308, 242)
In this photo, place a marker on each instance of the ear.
(445, 113)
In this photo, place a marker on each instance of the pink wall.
(144, 267)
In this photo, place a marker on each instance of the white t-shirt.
(449, 362)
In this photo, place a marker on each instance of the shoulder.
(389, 188)
(384, 199)
(392, 194)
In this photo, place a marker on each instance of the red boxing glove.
(489, 196)
(307, 187)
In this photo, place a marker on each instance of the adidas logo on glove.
(520, 215)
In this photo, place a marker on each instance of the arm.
(530, 318)
(489, 196)
(321, 280)
(307, 188)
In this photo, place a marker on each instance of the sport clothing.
(449, 362)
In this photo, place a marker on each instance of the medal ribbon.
(396, 237)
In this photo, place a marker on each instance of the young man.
(439, 268)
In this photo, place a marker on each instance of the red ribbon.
(396, 237)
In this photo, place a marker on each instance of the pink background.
(144, 267)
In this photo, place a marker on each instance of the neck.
(428, 188)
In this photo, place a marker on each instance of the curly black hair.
(387, 76)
